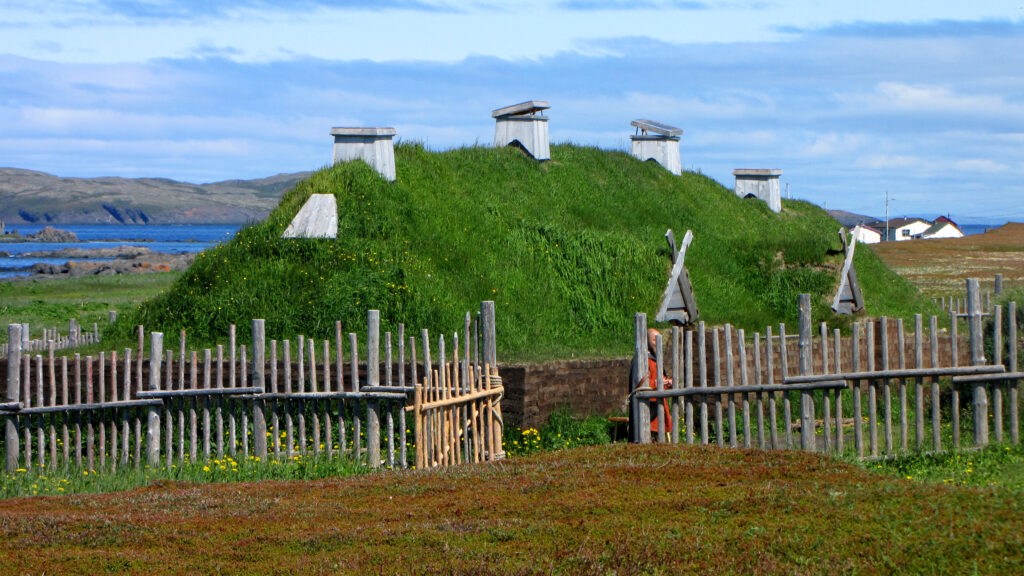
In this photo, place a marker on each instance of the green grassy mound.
(568, 249)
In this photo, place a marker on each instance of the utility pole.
(887, 216)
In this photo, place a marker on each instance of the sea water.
(170, 239)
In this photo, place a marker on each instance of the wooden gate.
(457, 408)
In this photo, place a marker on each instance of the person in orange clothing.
(652, 376)
(652, 382)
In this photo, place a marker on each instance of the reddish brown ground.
(939, 267)
(615, 509)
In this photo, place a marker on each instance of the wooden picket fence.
(53, 337)
(958, 304)
(99, 413)
(878, 364)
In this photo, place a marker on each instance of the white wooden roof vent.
(374, 146)
(658, 142)
(525, 124)
(760, 183)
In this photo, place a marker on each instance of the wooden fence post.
(156, 353)
(999, 285)
(979, 396)
(373, 379)
(13, 394)
(639, 367)
(1011, 333)
(806, 398)
(259, 420)
(490, 346)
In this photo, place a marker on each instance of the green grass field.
(50, 303)
(568, 249)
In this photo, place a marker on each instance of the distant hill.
(850, 219)
(28, 197)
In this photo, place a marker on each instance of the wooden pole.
(300, 381)
(826, 398)
(933, 349)
(716, 357)
(741, 341)
(769, 371)
(219, 412)
(1011, 332)
(869, 346)
(639, 374)
(979, 396)
(13, 395)
(730, 381)
(259, 420)
(883, 346)
(275, 418)
(837, 357)
(919, 382)
(688, 367)
(193, 416)
(315, 416)
(286, 388)
(232, 420)
(955, 392)
(807, 441)
(762, 442)
(491, 354)
(357, 419)
(659, 355)
(126, 393)
(997, 389)
(207, 368)
(702, 380)
(156, 352)
(168, 418)
(904, 421)
(675, 358)
(787, 409)
(373, 379)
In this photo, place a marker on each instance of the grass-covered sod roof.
(568, 249)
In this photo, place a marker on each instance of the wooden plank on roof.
(378, 131)
(757, 172)
(523, 108)
(656, 127)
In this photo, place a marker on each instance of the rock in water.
(51, 234)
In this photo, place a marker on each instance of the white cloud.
(887, 162)
(980, 165)
(832, 144)
(897, 97)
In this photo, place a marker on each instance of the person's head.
(652, 339)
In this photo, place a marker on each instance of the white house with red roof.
(943, 228)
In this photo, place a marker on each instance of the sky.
(852, 100)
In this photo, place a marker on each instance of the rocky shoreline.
(48, 234)
(123, 260)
